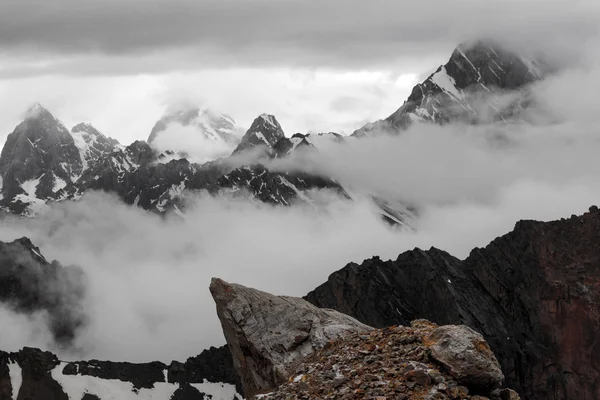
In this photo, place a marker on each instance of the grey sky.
(328, 65)
(275, 32)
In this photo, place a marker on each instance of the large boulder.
(269, 335)
(466, 355)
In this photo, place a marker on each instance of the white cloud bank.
(149, 277)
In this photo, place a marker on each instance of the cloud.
(191, 141)
(276, 33)
(148, 277)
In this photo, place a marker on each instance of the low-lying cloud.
(148, 277)
(192, 142)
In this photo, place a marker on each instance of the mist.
(148, 276)
(191, 141)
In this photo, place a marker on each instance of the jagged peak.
(268, 119)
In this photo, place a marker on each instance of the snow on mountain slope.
(91, 143)
(469, 88)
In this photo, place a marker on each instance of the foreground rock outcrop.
(533, 293)
(416, 362)
(269, 335)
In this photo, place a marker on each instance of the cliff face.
(533, 293)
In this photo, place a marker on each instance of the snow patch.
(30, 186)
(58, 184)
(75, 386)
(262, 137)
(446, 83)
(218, 391)
(16, 378)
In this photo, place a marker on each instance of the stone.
(467, 356)
(270, 335)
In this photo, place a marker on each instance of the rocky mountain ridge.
(533, 293)
(482, 82)
(159, 183)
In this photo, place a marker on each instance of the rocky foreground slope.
(533, 293)
(285, 348)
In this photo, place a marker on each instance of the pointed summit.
(264, 131)
(465, 89)
(38, 159)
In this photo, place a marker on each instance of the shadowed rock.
(534, 294)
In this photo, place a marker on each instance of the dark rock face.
(469, 88)
(29, 283)
(42, 376)
(276, 187)
(214, 365)
(534, 294)
(264, 131)
(36, 380)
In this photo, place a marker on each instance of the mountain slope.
(482, 82)
(533, 293)
(39, 158)
(264, 132)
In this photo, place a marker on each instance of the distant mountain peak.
(464, 89)
(264, 131)
(214, 126)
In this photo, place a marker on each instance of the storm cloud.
(180, 34)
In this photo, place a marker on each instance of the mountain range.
(532, 294)
(43, 162)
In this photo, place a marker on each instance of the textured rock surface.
(471, 88)
(533, 293)
(265, 131)
(466, 356)
(391, 363)
(43, 162)
(268, 335)
(38, 158)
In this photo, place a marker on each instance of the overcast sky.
(317, 65)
